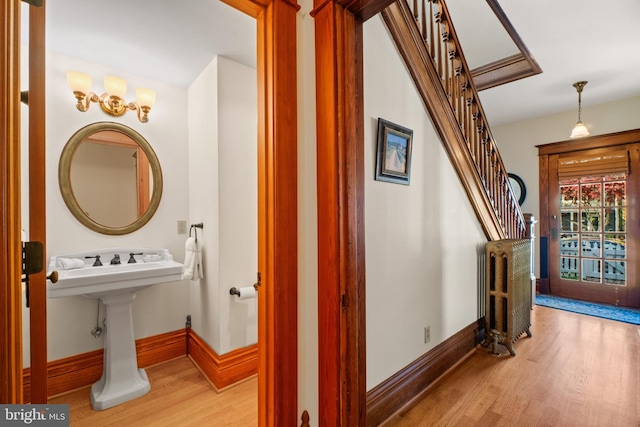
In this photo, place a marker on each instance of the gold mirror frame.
(64, 178)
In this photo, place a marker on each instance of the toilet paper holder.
(235, 291)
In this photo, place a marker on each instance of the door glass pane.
(590, 194)
(591, 219)
(590, 245)
(615, 245)
(570, 221)
(569, 195)
(569, 268)
(615, 193)
(591, 270)
(569, 244)
(593, 230)
(614, 219)
(615, 272)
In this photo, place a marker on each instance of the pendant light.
(579, 130)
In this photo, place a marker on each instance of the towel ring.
(194, 227)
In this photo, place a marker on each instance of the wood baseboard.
(388, 397)
(224, 370)
(84, 369)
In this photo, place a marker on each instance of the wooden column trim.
(10, 225)
(340, 177)
(277, 209)
(37, 201)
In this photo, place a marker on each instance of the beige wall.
(223, 195)
(423, 240)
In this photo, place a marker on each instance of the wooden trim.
(508, 69)
(400, 22)
(340, 194)
(224, 370)
(84, 369)
(414, 380)
(37, 201)
(505, 70)
(277, 209)
(10, 221)
(589, 142)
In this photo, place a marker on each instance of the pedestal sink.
(116, 286)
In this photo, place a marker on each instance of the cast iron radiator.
(508, 297)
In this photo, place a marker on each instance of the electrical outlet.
(427, 334)
(182, 227)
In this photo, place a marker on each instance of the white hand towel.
(69, 263)
(192, 260)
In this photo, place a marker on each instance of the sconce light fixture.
(112, 101)
(579, 130)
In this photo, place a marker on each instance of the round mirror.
(110, 178)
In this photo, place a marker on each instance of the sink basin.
(116, 286)
(154, 266)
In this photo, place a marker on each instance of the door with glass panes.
(594, 225)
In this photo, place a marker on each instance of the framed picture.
(395, 144)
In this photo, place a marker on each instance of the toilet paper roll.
(247, 292)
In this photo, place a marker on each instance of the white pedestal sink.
(116, 286)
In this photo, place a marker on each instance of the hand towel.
(192, 260)
(69, 263)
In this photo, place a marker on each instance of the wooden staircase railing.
(426, 39)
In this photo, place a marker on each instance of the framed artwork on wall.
(395, 144)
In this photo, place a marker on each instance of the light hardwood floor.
(180, 396)
(575, 371)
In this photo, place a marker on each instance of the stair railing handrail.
(443, 46)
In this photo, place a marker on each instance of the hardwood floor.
(180, 396)
(576, 370)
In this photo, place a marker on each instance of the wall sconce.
(112, 101)
(579, 130)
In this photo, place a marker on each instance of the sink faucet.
(97, 263)
(115, 259)
(132, 259)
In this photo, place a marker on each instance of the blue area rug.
(621, 314)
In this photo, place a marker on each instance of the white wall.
(158, 309)
(517, 141)
(223, 196)
(422, 240)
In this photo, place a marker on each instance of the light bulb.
(145, 97)
(79, 82)
(115, 86)
(579, 130)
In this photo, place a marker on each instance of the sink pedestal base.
(121, 379)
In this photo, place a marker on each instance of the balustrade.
(437, 31)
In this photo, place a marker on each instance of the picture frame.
(395, 145)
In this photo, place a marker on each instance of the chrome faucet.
(115, 260)
(97, 263)
(132, 259)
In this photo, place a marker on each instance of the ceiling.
(571, 40)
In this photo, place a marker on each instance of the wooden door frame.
(277, 209)
(340, 186)
(277, 168)
(10, 227)
(546, 170)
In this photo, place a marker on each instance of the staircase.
(427, 41)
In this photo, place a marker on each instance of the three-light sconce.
(112, 101)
